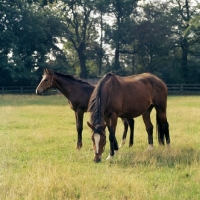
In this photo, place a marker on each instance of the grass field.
(39, 160)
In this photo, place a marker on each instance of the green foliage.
(30, 35)
(125, 37)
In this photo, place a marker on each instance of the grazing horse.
(78, 93)
(127, 97)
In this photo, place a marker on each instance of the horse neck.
(67, 86)
(63, 85)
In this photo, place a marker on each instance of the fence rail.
(184, 89)
(173, 89)
(22, 90)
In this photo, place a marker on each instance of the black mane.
(94, 105)
(66, 76)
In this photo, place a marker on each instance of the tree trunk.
(117, 64)
(134, 70)
(82, 59)
(101, 45)
(184, 65)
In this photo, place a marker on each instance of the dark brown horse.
(127, 97)
(78, 93)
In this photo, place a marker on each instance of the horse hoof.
(168, 146)
(150, 148)
(78, 147)
(122, 143)
(130, 145)
(109, 157)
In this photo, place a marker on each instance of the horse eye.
(45, 80)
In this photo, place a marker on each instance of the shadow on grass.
(160, 157)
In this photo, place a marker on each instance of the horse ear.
(46, 71)
(90, 125)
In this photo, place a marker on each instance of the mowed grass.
(39, 160)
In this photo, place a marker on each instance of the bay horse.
(78, 93)
(127, 97)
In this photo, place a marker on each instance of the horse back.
(133, 94)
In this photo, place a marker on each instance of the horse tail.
(159, 131)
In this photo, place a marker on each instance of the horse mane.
(66, 76)
(94, 105)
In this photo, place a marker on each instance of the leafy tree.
(152, 37)
(28, 40)
(79, 20)
(182, 12)
(122, 12)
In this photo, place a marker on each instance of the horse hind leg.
(125, 123)
(131, 123)
(149, 127)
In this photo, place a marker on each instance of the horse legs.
(127, 122)
(163, 128)
(79, 126)
(149, 126)
(131, 123)
(113, 141)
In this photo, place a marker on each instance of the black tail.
(159, 131)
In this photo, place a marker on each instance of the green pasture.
(39, 160)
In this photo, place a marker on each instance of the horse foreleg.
(79, 127)
(113, 141)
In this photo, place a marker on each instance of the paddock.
(39, 160)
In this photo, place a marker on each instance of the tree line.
(90, 38)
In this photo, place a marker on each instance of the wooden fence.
(184, 89)
(22, 90)
(173, 89)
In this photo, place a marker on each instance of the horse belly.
(129, 114)
(134, 110)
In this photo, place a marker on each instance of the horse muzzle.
(97, 157)
(39, 92)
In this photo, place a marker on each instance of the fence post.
(2, 90)
(21, 90)
(181, 89)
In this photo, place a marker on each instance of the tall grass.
(39, 160)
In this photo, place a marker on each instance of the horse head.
(99, 140)
(46, 82)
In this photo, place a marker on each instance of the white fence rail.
(173, 89)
